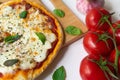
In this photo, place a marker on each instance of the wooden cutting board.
(69, 19)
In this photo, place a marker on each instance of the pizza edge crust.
(33, 73)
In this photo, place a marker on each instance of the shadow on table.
(52, 66)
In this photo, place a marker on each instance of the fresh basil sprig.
(23, 14)
(11, 39)
(41, 36)
(59, 74)
(11, 62)
(72, 30)
(59, 12)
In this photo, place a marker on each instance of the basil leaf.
(11, 39)
(59, 12)
(23, 14)
(59, 74)
(11, 62)
(41, 36)
(73, 30)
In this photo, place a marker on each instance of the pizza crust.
(33, 73)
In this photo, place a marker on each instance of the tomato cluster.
(102, 43)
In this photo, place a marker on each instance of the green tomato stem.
(116, 49)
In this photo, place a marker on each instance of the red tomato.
(112, 58)
(89, 70)
(94, 19)
(96, 43)
(117, 31)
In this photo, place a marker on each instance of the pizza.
(30, 38)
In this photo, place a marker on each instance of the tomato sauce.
(1, 75)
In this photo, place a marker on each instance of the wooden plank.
(69, 19)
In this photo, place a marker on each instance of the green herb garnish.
(59, 74)
(11, 39)
(72, 30)
(41, 36)
(23, 14)
(11, 62)
(59, 12)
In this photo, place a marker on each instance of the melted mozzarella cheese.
(7, 10)
(29, 49)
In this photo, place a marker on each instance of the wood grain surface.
(69, 19)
